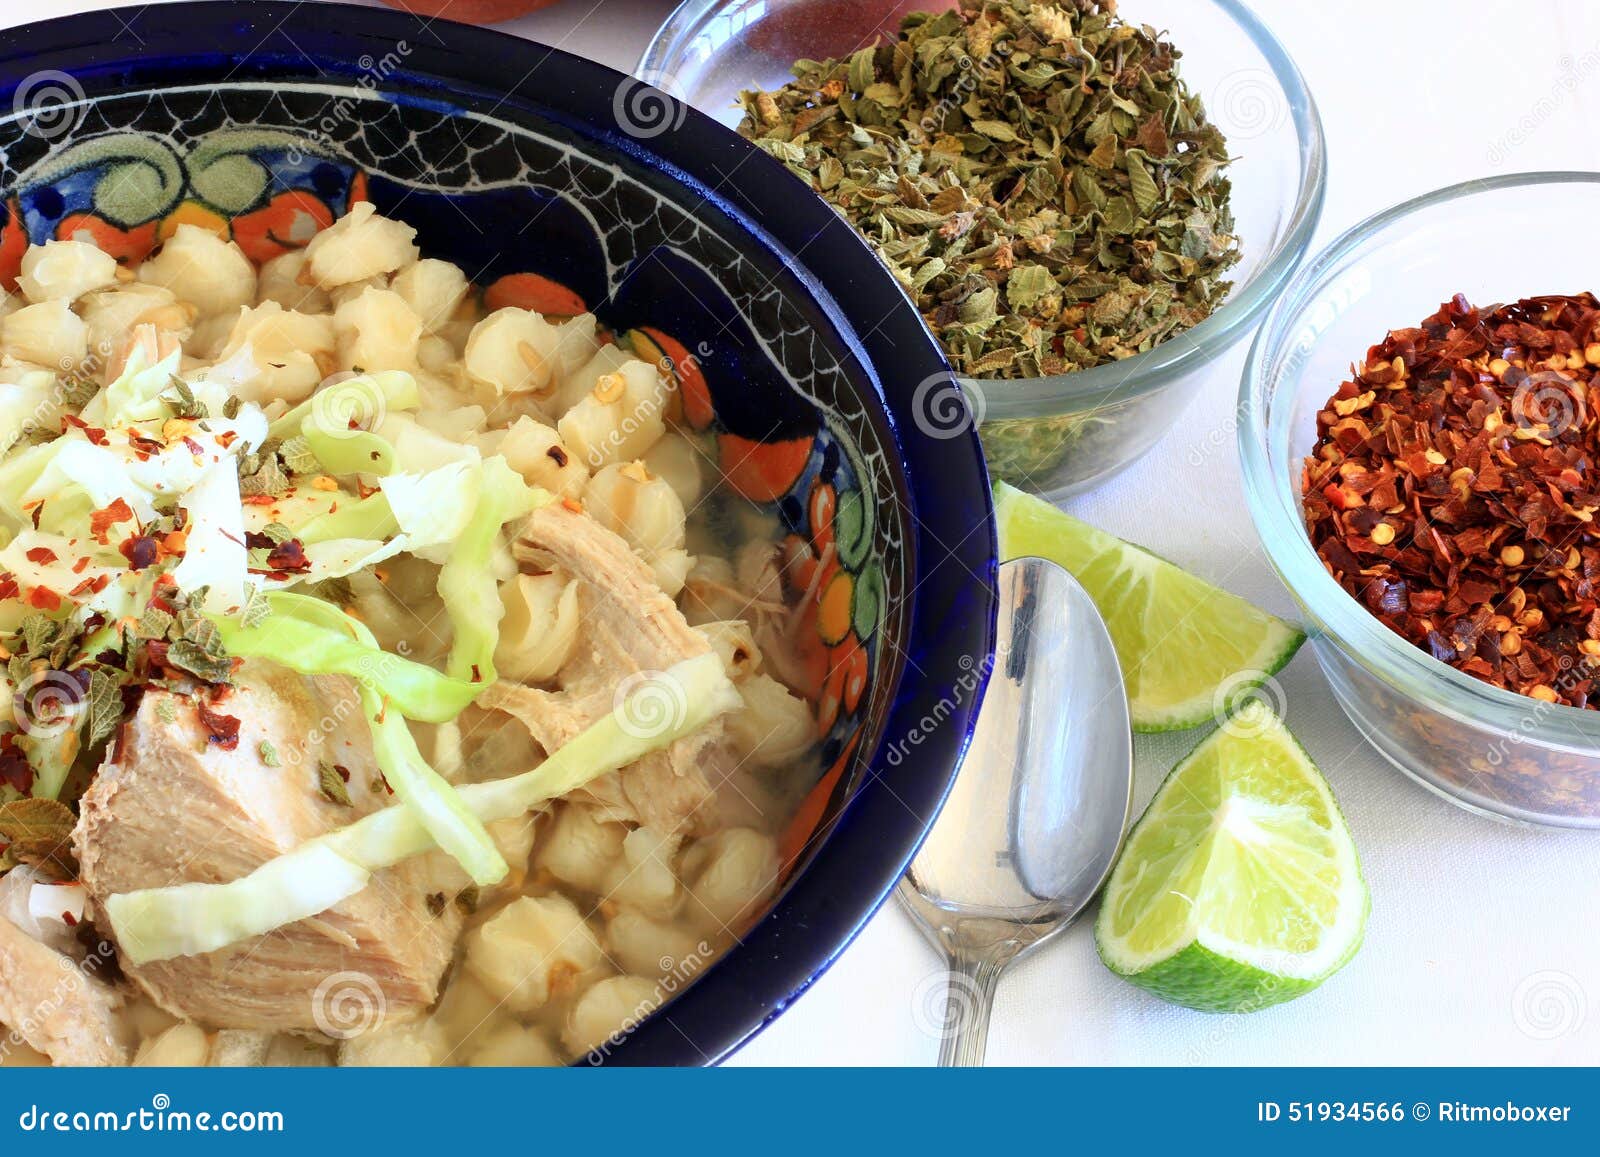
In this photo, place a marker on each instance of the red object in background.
(471, 11)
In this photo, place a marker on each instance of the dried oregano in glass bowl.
(1039, 178)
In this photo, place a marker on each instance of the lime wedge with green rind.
(1239, 887)
(1190, 652)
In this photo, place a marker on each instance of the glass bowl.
(1057, 435)
(1488, 749)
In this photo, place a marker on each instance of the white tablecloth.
(1483, 945)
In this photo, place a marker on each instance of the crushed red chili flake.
(140, 550)
(15, 770)
(289, 557)
(102, 520)
(1453, 491)
(42, 555)
(222, 730)
(94, 434)
(44, 599)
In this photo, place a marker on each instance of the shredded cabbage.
(215, 557)
(28, 403)
(468, 584)
(136, 394)
(377, 392)
(314, 638)
(350, 451)
(161, 923)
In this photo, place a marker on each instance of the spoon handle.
(968, 1001)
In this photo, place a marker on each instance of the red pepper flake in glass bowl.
(1453, 491)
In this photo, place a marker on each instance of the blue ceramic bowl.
(562, 185)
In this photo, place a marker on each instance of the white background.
(1483, 946)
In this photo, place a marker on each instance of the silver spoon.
(1040, 805)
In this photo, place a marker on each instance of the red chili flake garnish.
(194, 447)
(289, 557)
(94, 434)
(44, 599)
(255, 540)
(102, 520)
(223, 730)
(226, 438)
(477, 675)
(69, 919)
(78, 567)
(8, 587)
(258, 500)
(140, 550)
(96, 584)
(1452, 491)
(15, 770)
(42, 555)
(344, 772)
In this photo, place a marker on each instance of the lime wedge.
(1190, 652)
(1239, 887)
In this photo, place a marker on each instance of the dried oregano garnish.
(1037, 176)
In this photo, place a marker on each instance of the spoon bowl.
(1041, 803)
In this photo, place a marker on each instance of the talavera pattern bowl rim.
(949, 621)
